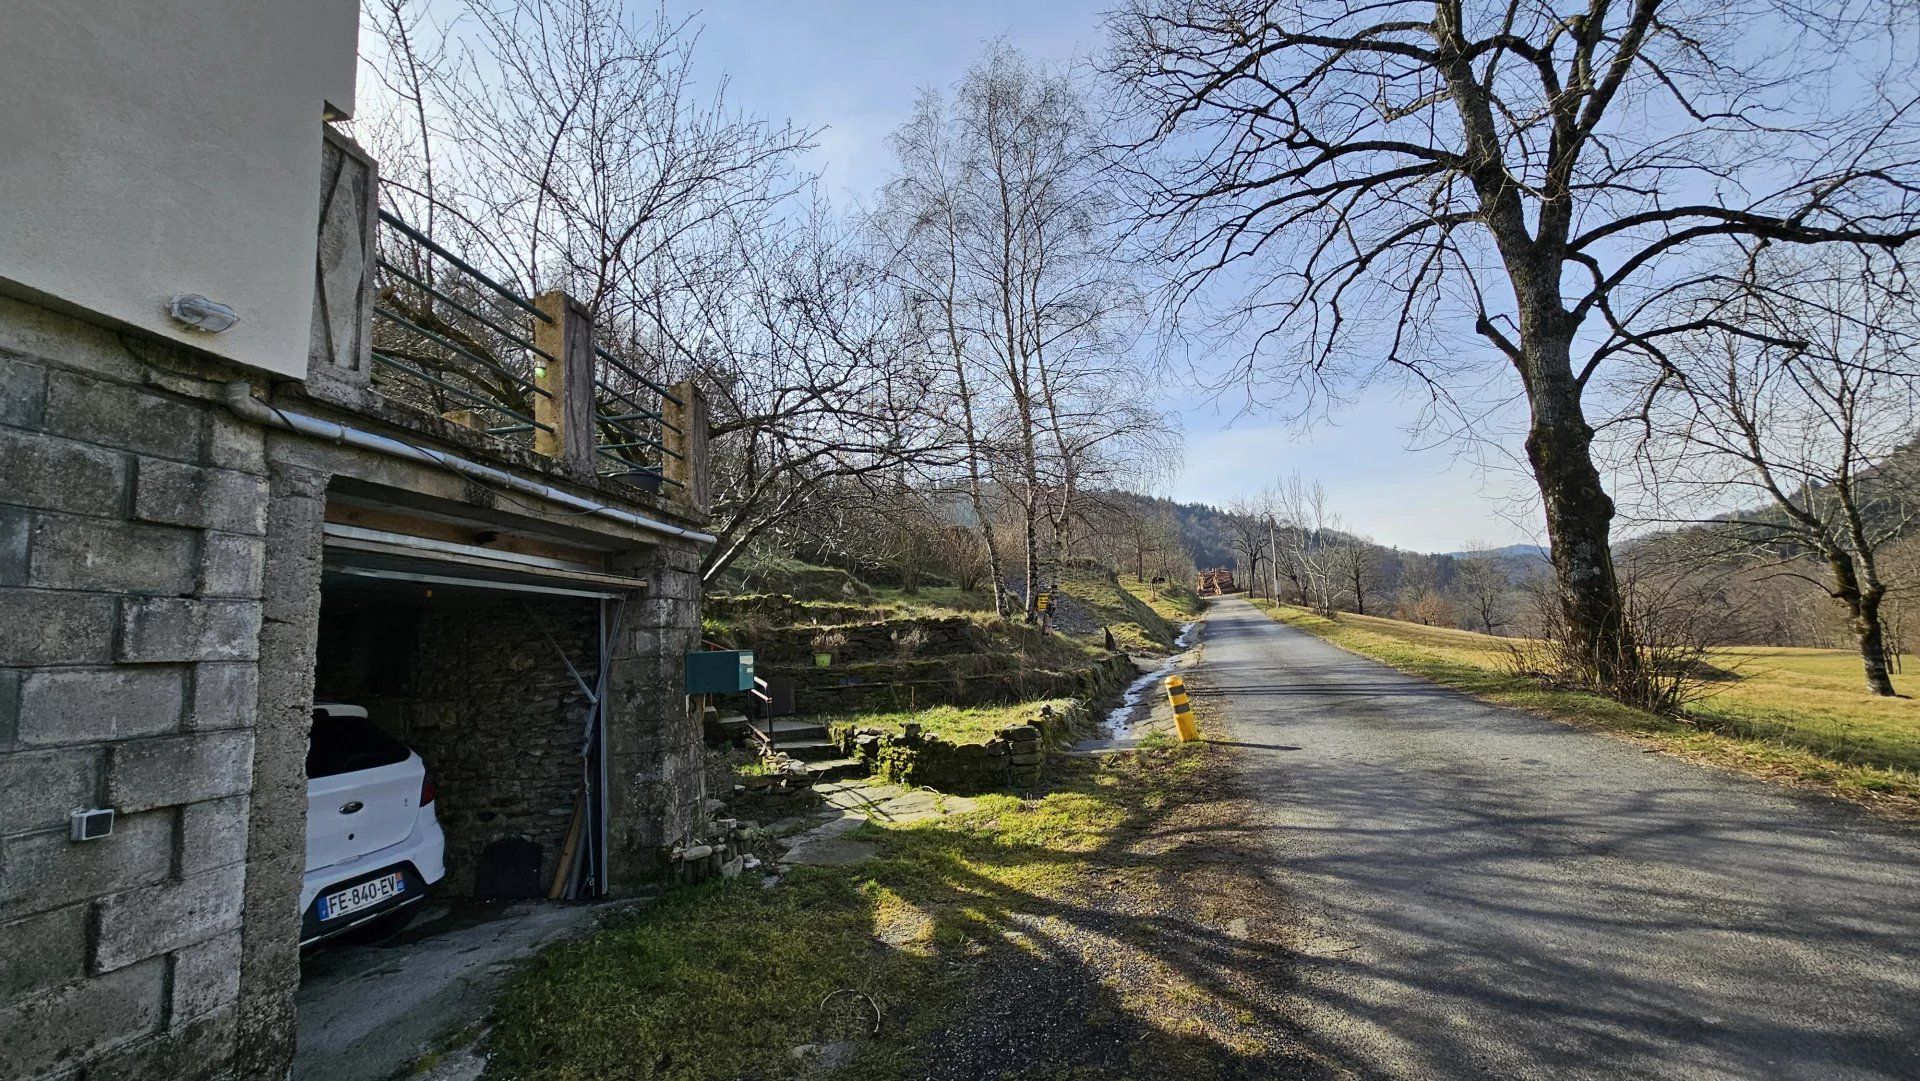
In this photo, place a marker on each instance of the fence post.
(566, 335)
(686, 459)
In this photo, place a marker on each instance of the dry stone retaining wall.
(1012, 758)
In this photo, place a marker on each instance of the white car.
(373, 843)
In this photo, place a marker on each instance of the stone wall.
(1011, 759)
(132, 518)
(478, 690)
(656, 782)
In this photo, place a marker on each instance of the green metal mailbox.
(720, 671)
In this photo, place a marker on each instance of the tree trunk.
(1871, 633)
(1032, 515)
(1873, 654)
(1579, 513)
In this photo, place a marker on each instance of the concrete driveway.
(1483, 893)
(367, 1012)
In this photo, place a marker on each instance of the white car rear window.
(348, 744)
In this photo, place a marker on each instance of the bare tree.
(1308, 528)
(1799, 400)
(1364, 175)
(561, 144)
(815, 387)
(1356, 565)
(1485, 589)
(1429, 608)
(999, 213)
(1250, 521)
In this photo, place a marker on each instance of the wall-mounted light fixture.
(202, 314)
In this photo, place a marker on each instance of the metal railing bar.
(489, 323)
(619, 431)
(677, 456)
(612, 393)
(428, 242)
(483, 402)
(622, 365)
(511, 429)
(639, 412)
(615, 419)
(519, 380)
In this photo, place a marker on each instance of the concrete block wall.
(159, 608)
(132, 523)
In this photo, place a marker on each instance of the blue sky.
(854, 68)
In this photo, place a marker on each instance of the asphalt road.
(1482, 893)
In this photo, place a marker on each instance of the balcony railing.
(450, 339)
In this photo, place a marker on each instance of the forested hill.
(1203, 531)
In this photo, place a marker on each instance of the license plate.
(356, 897)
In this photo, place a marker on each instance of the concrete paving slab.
(368, 1012)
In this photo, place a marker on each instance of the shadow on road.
(1482, 892)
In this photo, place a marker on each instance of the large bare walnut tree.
(1363, 176)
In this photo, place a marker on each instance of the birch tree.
(998, 214)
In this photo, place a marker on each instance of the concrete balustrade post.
(563, 414)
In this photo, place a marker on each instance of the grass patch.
(1138, 626)
(722, 981)
(1174, 603)
(935, 599)
(1790, 714)
(959, 724)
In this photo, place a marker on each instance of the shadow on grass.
(1085, 933)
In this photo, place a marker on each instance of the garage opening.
(474, 684)
(481, 669)
(487, 665)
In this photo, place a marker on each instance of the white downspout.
(240, 399)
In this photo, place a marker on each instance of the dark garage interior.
(475, 683)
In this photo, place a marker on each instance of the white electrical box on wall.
(91, 825)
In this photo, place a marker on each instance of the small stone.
(733, 867)
(697, 852)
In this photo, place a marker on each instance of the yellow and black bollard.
(1183, 722)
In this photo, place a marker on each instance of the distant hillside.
(1511, 551)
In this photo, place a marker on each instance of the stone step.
(836, 769)
(785, 729)
(809, 750)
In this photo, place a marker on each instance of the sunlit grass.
(1141, 622)
(722, 981)
(960, 724)
(1798, 714)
